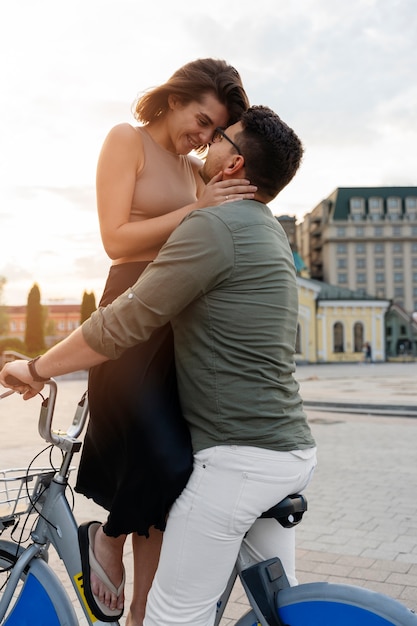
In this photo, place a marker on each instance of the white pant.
(229, 488)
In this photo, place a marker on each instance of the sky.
(342, 74)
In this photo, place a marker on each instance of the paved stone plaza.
(361, 525)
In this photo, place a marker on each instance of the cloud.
(342, 74)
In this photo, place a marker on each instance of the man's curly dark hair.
(272, 150)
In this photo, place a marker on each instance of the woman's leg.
(109, 553)
(145, 561)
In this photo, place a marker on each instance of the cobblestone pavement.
(361, 524)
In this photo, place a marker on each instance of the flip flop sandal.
(89, 563)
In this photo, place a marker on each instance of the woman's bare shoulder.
(124, 130)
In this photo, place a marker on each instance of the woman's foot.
(109, 553)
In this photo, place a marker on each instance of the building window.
(414, 277)
(380, 277)
(378, 231)
(398, 277)
(379, 248)
(342, 278)
(358, 337)
(341, 248)
(414, 247)
(398, 292)
(411, 207)
(360, 231)
(414, 261)
(394, 208)
(414, 231)
(361, 278)
(342, 263)
(415, 293)
(338, 341)
(341, 231)
(357, 208)
(398, 261)
(375, 208)
(397, 231)
(360, 248)
(397, 248)
(379, 262)
(360, 262)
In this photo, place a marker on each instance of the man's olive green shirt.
(225, 280)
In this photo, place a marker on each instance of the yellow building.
(335, 324)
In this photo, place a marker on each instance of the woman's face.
(192, 125)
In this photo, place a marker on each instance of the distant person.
(226, 280)
(367, 350)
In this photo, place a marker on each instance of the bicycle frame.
(56, 524)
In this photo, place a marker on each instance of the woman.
(137, 454)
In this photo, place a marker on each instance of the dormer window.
(394, 208)
(411, 207)
(375, 208)
(357, 208)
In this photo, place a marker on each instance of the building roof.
(341, 196)
(334, 292)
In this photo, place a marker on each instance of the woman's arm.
(120, 162)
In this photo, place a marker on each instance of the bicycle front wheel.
(327, 604)
(39, 597)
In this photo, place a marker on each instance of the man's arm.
(195, 258)
(70, 355)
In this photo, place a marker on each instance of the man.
(226, 281)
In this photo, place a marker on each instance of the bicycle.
(33, 594)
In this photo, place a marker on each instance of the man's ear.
(235, 167)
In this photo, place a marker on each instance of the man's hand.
(18, 370)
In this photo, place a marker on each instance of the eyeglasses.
(219, 134)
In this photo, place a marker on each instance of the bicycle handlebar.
(57, 437)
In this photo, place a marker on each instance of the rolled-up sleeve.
(196, 257)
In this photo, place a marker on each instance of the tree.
(88, 306)
(34, 334)
(3, 313)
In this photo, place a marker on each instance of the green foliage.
(34, 334)
(12, 343)
(88, 306)
(3, 311)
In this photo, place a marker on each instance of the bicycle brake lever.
(6, 393)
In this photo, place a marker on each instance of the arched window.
(358, 337)
(338, 339)
(298, 340)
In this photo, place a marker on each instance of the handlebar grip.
(12, 380)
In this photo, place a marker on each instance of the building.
(335, 324)
(60, 321)
(365, 239)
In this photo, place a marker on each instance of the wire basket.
(19, 487)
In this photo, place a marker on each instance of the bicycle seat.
(289, 512)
